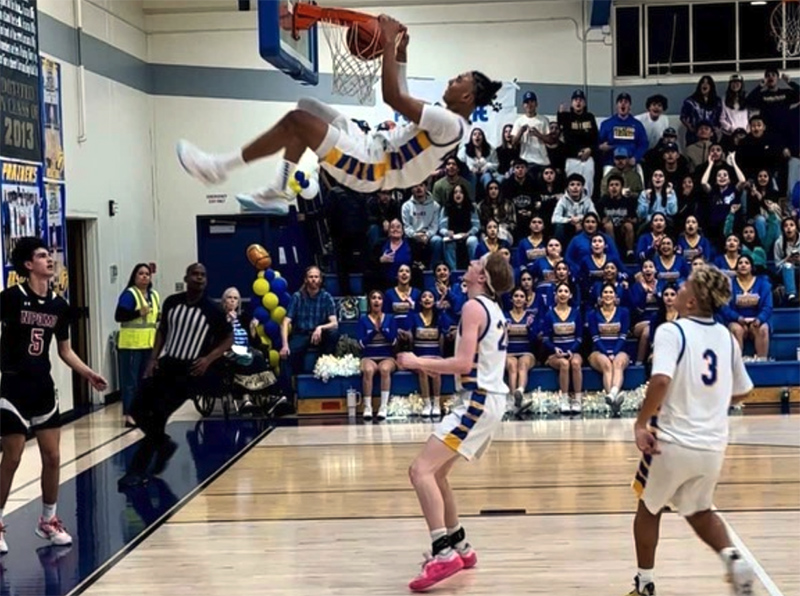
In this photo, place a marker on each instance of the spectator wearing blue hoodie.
(623, 130)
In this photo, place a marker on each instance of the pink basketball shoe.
(436, 569)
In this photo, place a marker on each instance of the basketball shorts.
(355, 159)
(27, 404)
(683, 478)
(469, 427)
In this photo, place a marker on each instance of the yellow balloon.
(261, 274)
(266, 342)
(274, 359)
(270, 301)
(278, 314)
(260, 287)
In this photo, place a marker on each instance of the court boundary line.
(465, 488)
(158, 523)
(466, 515)
(502, 440)
(761, 573)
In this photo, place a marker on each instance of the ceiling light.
(759, 3)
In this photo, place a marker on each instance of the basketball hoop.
(353, 75)
(785, 26)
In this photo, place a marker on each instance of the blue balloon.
(278, 286)
(262, 315)
(270, 275)
(285, 299)
(273, 330)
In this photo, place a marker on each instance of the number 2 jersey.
(705, 364)
(29, 322)
(489, 362)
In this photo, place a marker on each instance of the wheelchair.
(231, 395)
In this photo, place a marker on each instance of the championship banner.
(490, 119)
(57, 235)
(20, 99)
(23, 209)
(53, 127)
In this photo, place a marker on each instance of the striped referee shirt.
(191, 331)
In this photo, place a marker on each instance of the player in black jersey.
(31, 314)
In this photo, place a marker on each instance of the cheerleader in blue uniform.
(592, 265)
(610, 276)
(401, 300)
(533, 246)
(424, 328)
(691, 243)
(562, 330)
(377, 333)
(643, 305)
(609, 325)
(542, 269)
(728, 261)
(750, 308)
(667, 311)
(545, 295)
(491, 241)
(519, 356)
(647, 245)
(670, 268)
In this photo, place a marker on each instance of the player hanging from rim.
(479, 365)
(364, 162)
(697, 374)
(30, 315)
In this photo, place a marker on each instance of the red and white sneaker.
(468, 556)
(54, 531)
(436, 569)
(3, 543)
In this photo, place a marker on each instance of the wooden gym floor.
(329, 510)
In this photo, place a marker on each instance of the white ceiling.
(187, 6)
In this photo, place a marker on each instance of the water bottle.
(786, 406)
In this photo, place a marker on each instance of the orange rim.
(305, 16)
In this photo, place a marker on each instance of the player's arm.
(742, 383)
(71, 359)
(473, 320)
(402, 61)
(393, 95)
(656, 392)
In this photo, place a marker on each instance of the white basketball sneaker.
(740, 574)
(267, 200)
(200, 164)
(54, 531)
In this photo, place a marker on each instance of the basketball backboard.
(294, 54)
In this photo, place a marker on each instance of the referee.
(192, 335)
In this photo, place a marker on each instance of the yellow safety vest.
(140, 333)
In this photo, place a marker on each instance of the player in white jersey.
(479, 365)
(364, 162)
(697, 374)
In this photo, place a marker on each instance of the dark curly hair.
(485, 89)
(23, 252)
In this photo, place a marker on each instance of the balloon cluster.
(272, 298)
(303, 185)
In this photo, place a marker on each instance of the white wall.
(113, 162)
(529, 41)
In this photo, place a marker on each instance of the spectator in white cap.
(530, 133)
(579, 127)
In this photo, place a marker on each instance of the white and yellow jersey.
(389, 159)
(489, 364)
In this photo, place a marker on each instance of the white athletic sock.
(384, 398)
(646, 576)
(1, 516)
(726, 554)
(436, 401)
(285, 171)
(579, 396)
(613, 392)
(231, 161)
(48, 511)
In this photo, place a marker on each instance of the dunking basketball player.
(31, 314)
(364, 162)
(697, 373)
(479, 364)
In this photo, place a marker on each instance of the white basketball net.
(785, 23)
(352, 76)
